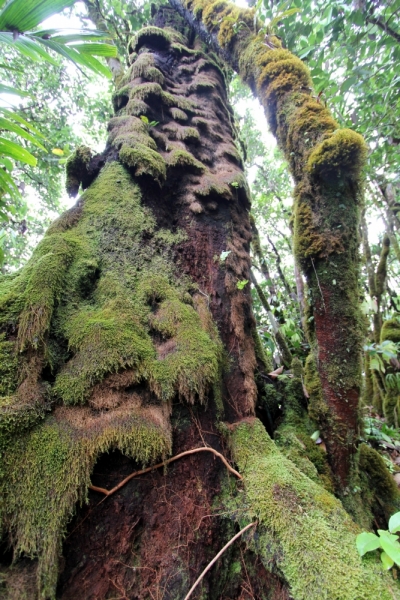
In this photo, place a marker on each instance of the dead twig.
(163, 464)
(210, 564)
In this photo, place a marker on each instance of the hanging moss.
(301, 526)
(77, 166)
(47, 471)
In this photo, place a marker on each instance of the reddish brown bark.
(342, 404)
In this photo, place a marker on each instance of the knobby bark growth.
(126, 337)
(326, 163)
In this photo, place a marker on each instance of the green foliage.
(381, 354)
(242, 284)
(385, 541)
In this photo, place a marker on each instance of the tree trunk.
(326, 164)
(126, 338)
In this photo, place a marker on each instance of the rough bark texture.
(126, 338)
(326, 163)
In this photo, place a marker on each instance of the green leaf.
(6, 124)
(16, 152)
(29, 48)
(390, 545)
(7, 164)
(66, 36)
(366, 542)
(394, 523)
(347, 84)
(83, 60)
(16, 117)
(7, 89)
(241, 284)
(386, 561)
(7, 185)
(315, 435)
(20, 15)
(105, 50)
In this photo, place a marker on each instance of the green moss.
(391, 330)
(301, 526)
(317, 407)
(150, 36)
(178, 114)
(144, 161)
(342, 154)
(8, 367)
(144, 67)
(379, 490)
(391, 407)
(181, 158)
(47, 471)
(76, 167)
(189, 135)
(279, 76)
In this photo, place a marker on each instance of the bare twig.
(208, 567)
(162, 464)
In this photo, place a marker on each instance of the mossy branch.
(107, 493)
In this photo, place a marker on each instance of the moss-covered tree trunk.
(325, 162)
(126, 338)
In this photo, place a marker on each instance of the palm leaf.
(27, 47)
(7, 185)
(24, 15)
(15, 117)
(64, 36)
(15, 151)
(7, 89)
(83, 60)
(7, 125)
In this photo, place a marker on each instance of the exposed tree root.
(162, 464)
(210, 564)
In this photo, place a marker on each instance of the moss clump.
(342, 154)
(178, 114)
(152, 37)
(144, 161)
(317, 407)
(302, 526)
(181, 158)
(8, 367)
(391, 330)
(144, 66)
(77, 167)
(383, 491)
(47, 471)
(280, 76)
(189, 135)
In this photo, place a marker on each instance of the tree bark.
(126, 338)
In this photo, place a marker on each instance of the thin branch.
(163, 464)
(384, 26)
(208, 567)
